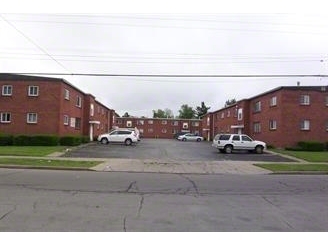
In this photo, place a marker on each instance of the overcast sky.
(167, 44)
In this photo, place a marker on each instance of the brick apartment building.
(160, 127)
(41, 105)
(281, 117)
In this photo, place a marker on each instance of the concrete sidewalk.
(186, 167)
(154, 166)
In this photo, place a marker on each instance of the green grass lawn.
(30, 150)
(47, 162)
(294, 167)
(306, 155)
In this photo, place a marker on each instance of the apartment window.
(129, 123)
(33, 90)
(305, 125)
(79, 101)
(222, 115)
(257, 127)
(305, 100)
(326, 100)
(175, 123)
(98, 109)
(195, 123)
(102, 111)
(92, 110)
(7, 90)
(257, 106)
(141, 122)
(77, 123)
(327, 125)
(150, 122)
(5, 118)
(150, 130)
(240, 114)
(228, 113)
(164, 130)
(185, 125)
(272, 124)
(73, 122)
(119, 122)
(66, 94)
(66, 120)
(32, 118)
(164, 122)
(273, 101)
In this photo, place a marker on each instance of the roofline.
(147, 118)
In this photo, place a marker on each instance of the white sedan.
(190, 137)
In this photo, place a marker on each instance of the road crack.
(193, 185)
(140, 205)
(6, 214)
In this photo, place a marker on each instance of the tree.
(202, 110)
(166, 113)
(186, 112)
(230, 102)
(126, 114)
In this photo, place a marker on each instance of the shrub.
(6, 140)
(70, 140)
(311, 146)
(37, 140)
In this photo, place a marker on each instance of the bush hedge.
(42, 140)
(36, 140)
(309, 146)
(6, 140)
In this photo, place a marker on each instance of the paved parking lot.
(169, 150)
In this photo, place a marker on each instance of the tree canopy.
(186, 112)
(230, 102)
(166, 113)
(201, 110)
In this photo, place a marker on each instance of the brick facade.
(280, 117)
(55, 106)
(160, 128)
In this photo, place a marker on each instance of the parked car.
(125, 136)
(190, 137)
(176, 135)
(226, 143)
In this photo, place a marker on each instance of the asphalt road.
(169, 149)
(44, 200)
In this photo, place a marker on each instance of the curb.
(46, 168)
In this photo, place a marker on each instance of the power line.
(185, 75)
(34, 43)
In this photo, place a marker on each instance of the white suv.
(228, 142)
(126, 136)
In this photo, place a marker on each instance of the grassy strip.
(47, 162)
(30, 150)
(305, 155)
(294, 167)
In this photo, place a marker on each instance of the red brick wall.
(157, 129)
(19, 104)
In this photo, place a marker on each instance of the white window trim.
(78, 101)
(32, 94)
(273, 101)
(164, 122)
(305, 125)
(305, 100)
(164, 130)
(66, 94)
(66, 120)
(5, 114)
(28, 118)
(3, 90)
(272, 124)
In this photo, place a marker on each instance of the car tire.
(198, 140)
(128, 141)
(259, 149)
(104, 141)
(228, 149)
(184, 139)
